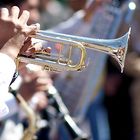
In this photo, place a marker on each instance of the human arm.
(18, 30)
(16, 35)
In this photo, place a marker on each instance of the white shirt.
(6, 73)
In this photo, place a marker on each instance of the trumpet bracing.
(65, 60)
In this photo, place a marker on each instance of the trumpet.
(65, 60)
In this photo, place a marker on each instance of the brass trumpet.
(65, 61)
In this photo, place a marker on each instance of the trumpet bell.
(117, 48)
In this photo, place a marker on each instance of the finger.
(47, 50)
(35, 48)
(15, 12)
(26, 46)
(31, 30)
(24, 17)
(4, 13)
(28, 39)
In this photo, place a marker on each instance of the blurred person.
(117, 100)
(133, 69)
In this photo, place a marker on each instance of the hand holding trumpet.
(14, 27)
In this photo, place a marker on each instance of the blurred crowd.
(103, 101)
